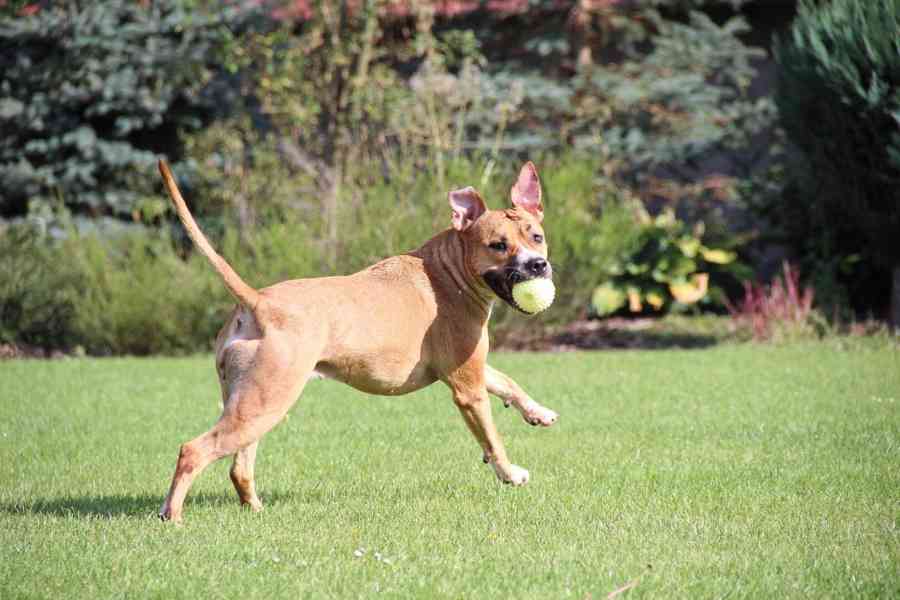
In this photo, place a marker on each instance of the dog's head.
(505, 246)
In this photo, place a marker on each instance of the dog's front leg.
(509, 391)
(475, 406)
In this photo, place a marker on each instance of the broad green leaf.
(719, 257)
(691, 291)
(607, 299)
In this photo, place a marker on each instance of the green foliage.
(587, 229)
(678, 94)
(129, 293)
(330, 103)
(136, 296)
(668, 266)
(688, 96)
(90, 92)
(37, 290)
(133, 293)
(324, 155)
(839, 101)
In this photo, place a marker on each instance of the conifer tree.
(839, 101)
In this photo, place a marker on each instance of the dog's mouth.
(501, 282)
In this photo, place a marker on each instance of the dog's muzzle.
(502, 280)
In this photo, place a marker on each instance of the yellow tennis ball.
(534, 295)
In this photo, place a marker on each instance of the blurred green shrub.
(324, 100)
(839, 102)
(127, 293)
(135, 295)
(37, 290)
(353, 157)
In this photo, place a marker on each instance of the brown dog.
(394, 328)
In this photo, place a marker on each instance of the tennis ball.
(534, 295)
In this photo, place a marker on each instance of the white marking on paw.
(512, 474)
(535, 414)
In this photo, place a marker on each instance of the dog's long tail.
(244, 294)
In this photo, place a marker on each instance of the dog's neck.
(440, 257)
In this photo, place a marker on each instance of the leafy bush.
(325, 98)
(667, 266)
(839, 101)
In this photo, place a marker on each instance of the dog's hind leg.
(259, 402)
(242, 476)
(229, 435)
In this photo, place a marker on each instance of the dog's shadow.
(112, 506)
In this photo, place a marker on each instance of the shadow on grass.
(636, 340)
(116, 505)
(615, 334)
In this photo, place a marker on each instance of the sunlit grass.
(737, 471)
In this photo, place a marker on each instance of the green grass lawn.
(736, 471)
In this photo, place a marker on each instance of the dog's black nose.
(536, 266)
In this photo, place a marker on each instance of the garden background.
(687, 149)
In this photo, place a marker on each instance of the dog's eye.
(538, 238)
(498, 246)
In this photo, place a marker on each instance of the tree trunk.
(581, 37)
(246, 215)
(895, 300)
(331, 217)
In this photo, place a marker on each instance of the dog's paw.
(253, 504)
(166, 514)
(512, 474)
(539, 415)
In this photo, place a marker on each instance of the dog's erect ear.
(467, 206)
(526, 193)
